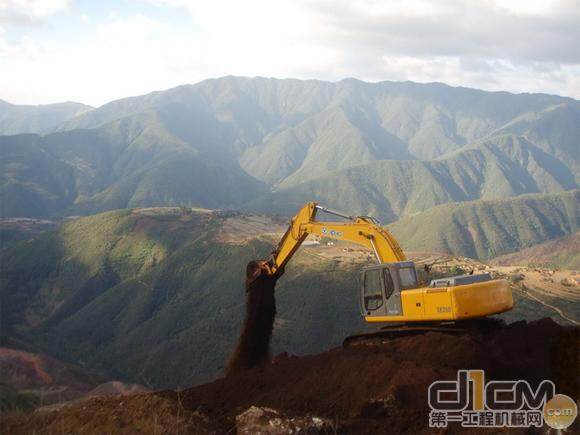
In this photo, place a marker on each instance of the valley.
(129, 287)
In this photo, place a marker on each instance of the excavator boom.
(362, 230)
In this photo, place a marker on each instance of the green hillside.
(485, 229)
(492, 169)
(125, 290)
(386, 148)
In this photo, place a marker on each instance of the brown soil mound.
(253, 347)
(370, 389)
(351, 386)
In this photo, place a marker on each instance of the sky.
(95, 51)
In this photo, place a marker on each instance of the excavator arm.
(362, 230)
(261, 276)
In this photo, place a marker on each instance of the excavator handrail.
(362, 230)
(334, 212)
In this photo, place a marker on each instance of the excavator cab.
(382, 285)
(391, 292)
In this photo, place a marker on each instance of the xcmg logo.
(473, 402)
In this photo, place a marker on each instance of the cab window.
(408, 277)
(389, 286)
(372, 290)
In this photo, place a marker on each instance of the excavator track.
(391, 332)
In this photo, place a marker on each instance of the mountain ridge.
(391, 189)
(42, 118)
(243, 137)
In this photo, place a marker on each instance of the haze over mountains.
(389, 149)
(16, 119)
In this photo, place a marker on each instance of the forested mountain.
(385, 148)
(502, 167)
(485, 229)
(127, 163)
(16, 119)
(122, 290)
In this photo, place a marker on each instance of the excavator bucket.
(253, 346)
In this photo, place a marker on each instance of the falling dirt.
(253, 346)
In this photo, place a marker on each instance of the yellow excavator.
(390, 292)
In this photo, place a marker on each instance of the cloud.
(520, 46)
(521, 30)
(125, 56)
(22, 12)
(454, 28)
(475, 43)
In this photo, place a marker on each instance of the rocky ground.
(379, 388)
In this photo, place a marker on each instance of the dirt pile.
(368, 389)
(253, 346)
(371, 388)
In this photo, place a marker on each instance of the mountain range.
(390, 149)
